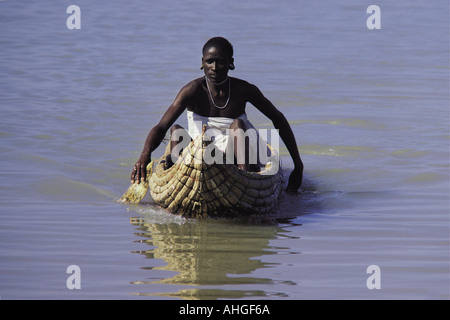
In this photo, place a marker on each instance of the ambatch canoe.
(194, 188)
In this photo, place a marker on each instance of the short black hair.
(219, 42)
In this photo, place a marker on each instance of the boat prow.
(194, 188)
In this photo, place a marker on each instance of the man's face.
(216, 64)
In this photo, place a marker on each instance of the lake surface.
(369, 108)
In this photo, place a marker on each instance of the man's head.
(217, 59)
(219, 42)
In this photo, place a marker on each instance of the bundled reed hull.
(193, 188)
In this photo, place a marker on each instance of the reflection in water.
(207, 253)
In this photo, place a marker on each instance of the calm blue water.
(369, 108)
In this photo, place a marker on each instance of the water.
(369, 108)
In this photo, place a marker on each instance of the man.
(218, 96)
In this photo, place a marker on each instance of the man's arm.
(280, 122)
(157, 133)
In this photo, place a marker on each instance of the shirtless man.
(217, 95)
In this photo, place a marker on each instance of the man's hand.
(295, 180)
(139, 172)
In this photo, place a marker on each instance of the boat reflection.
(215, 259)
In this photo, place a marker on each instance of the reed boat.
(193, 188)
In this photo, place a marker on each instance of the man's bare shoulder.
(241, 83)
(246, 88)
(193, 86)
